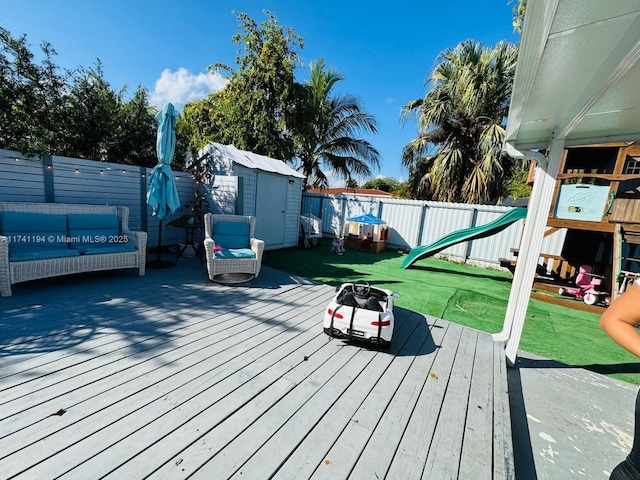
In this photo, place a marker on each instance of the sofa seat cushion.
(231, 234)
(26, 230)
(229, 253)
(96, 249)
(93, 229)
(25, 255)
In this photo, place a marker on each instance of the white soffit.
(578, 74)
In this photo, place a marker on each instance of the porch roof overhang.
(577, 82)
(578, 74)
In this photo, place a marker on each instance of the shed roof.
(253, 160)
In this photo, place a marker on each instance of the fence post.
(47, 171)
(143, 199)
(423, 216)
(474, 219)
(343, 207)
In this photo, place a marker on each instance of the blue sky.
(384, 50)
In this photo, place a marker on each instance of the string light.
(85, 168)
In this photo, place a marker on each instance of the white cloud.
(183, 86)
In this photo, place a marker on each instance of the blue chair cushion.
(25, 255)
(28, 230)
(95, 249)
(235, 253)
(231, 234)
(93, 230)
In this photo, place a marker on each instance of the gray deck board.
(478, 440)
(445, 450)
(172, 376)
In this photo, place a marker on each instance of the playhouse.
(366, 232)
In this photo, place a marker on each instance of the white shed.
(266, 188)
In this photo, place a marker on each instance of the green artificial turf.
(469, 296)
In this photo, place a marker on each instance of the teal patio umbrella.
(162, 195)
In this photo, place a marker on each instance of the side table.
(189, 241)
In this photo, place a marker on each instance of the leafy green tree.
(92, 111)
(76, 114)
(386, 184)
(419, 183)
(326, 130)
(519, 9)
(402, 190)
(31, 97)
(351, 183)
(101, 124)
(134, 140)
(461, 123)
(257, 101)
(203, 121)
(517, 186)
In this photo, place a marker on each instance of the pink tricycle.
(587, 287)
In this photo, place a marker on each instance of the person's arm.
(619, 321)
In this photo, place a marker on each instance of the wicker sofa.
(233, 254)
(40, 240)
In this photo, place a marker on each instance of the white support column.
(530, 245)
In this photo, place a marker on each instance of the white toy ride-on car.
(361, 312)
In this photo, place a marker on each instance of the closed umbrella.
(162, 196)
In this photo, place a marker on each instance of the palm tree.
(461, 123)
(326, 128)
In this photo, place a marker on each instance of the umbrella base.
(158, 264)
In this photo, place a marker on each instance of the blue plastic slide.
(464, 235)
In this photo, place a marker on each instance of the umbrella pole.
(159, 249)
(158, 263)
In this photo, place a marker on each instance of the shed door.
(271, 205)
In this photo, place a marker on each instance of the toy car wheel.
(590, 298)
(561, 291)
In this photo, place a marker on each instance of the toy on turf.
(337, 246)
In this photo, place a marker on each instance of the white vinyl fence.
(413, 222)
(72, 180)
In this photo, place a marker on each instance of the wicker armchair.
(235, 237)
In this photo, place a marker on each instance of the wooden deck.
(172, 376)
